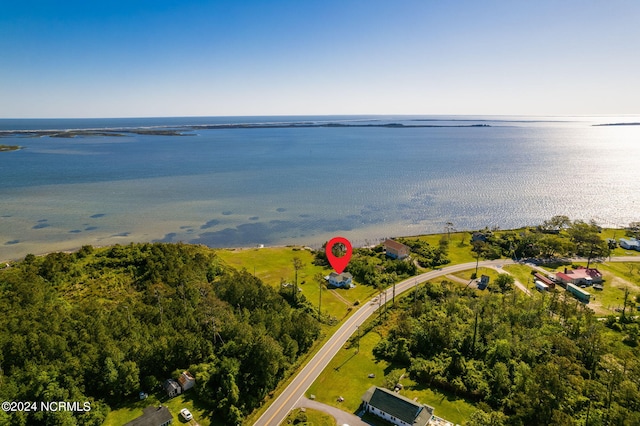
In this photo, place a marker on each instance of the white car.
(186, 414)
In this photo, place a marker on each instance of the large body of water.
(228, 187)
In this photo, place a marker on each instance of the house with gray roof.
(343, 280)
(153, 416)
(396, 408)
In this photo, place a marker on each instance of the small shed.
(172, 388)
(484, 282)
(186, 380)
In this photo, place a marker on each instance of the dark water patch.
(210, 224)
(90, 228)
(304, 215)
(6, 215)
(254, 218)
(41, 225)
(281, 209)
(98, 215)
(186, 227)
(282, 225)
(122, 234)
(168, 238)
(227, 213)
(43, 220)
(243, 235)
(75, 231)
(250, 234)
(12, 242)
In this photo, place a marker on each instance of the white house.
(343, 280)
(630, 244)
(396, 408)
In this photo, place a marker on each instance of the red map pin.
(338, 263)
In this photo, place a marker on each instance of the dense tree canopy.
(555, 238)
(101, 325)
(526, 361)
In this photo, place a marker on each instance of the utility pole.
(320, 280)
(297, 265)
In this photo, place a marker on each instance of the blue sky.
(115, 58)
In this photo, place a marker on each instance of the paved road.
(280, 408)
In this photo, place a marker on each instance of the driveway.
(342, 417)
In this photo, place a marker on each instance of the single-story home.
(172, 388)
(395, 408)
(343, 280)
(153, 416)
(630, 244)
(395, 250)
(579, 276)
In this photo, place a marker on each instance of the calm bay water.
(303, 185)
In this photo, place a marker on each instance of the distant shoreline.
(616, 124)
(182, 130)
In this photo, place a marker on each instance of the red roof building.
(396, 250)
(580, 275)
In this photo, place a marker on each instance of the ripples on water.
(240, 187)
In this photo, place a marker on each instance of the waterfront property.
(343, 280)
(396, 250)
(396, 408)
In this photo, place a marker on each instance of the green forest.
(101, 325)
(522, 360)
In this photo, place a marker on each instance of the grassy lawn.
(314, 418)
(521, 273)
(459, 246)
(272, 265)
(617, 278)
(466, 275)
(347, 375)
(123, 415)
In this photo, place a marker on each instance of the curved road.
(281, 406)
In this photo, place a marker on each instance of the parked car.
(186, 414)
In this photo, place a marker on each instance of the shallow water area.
(308, 179)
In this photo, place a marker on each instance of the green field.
(274, 265)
